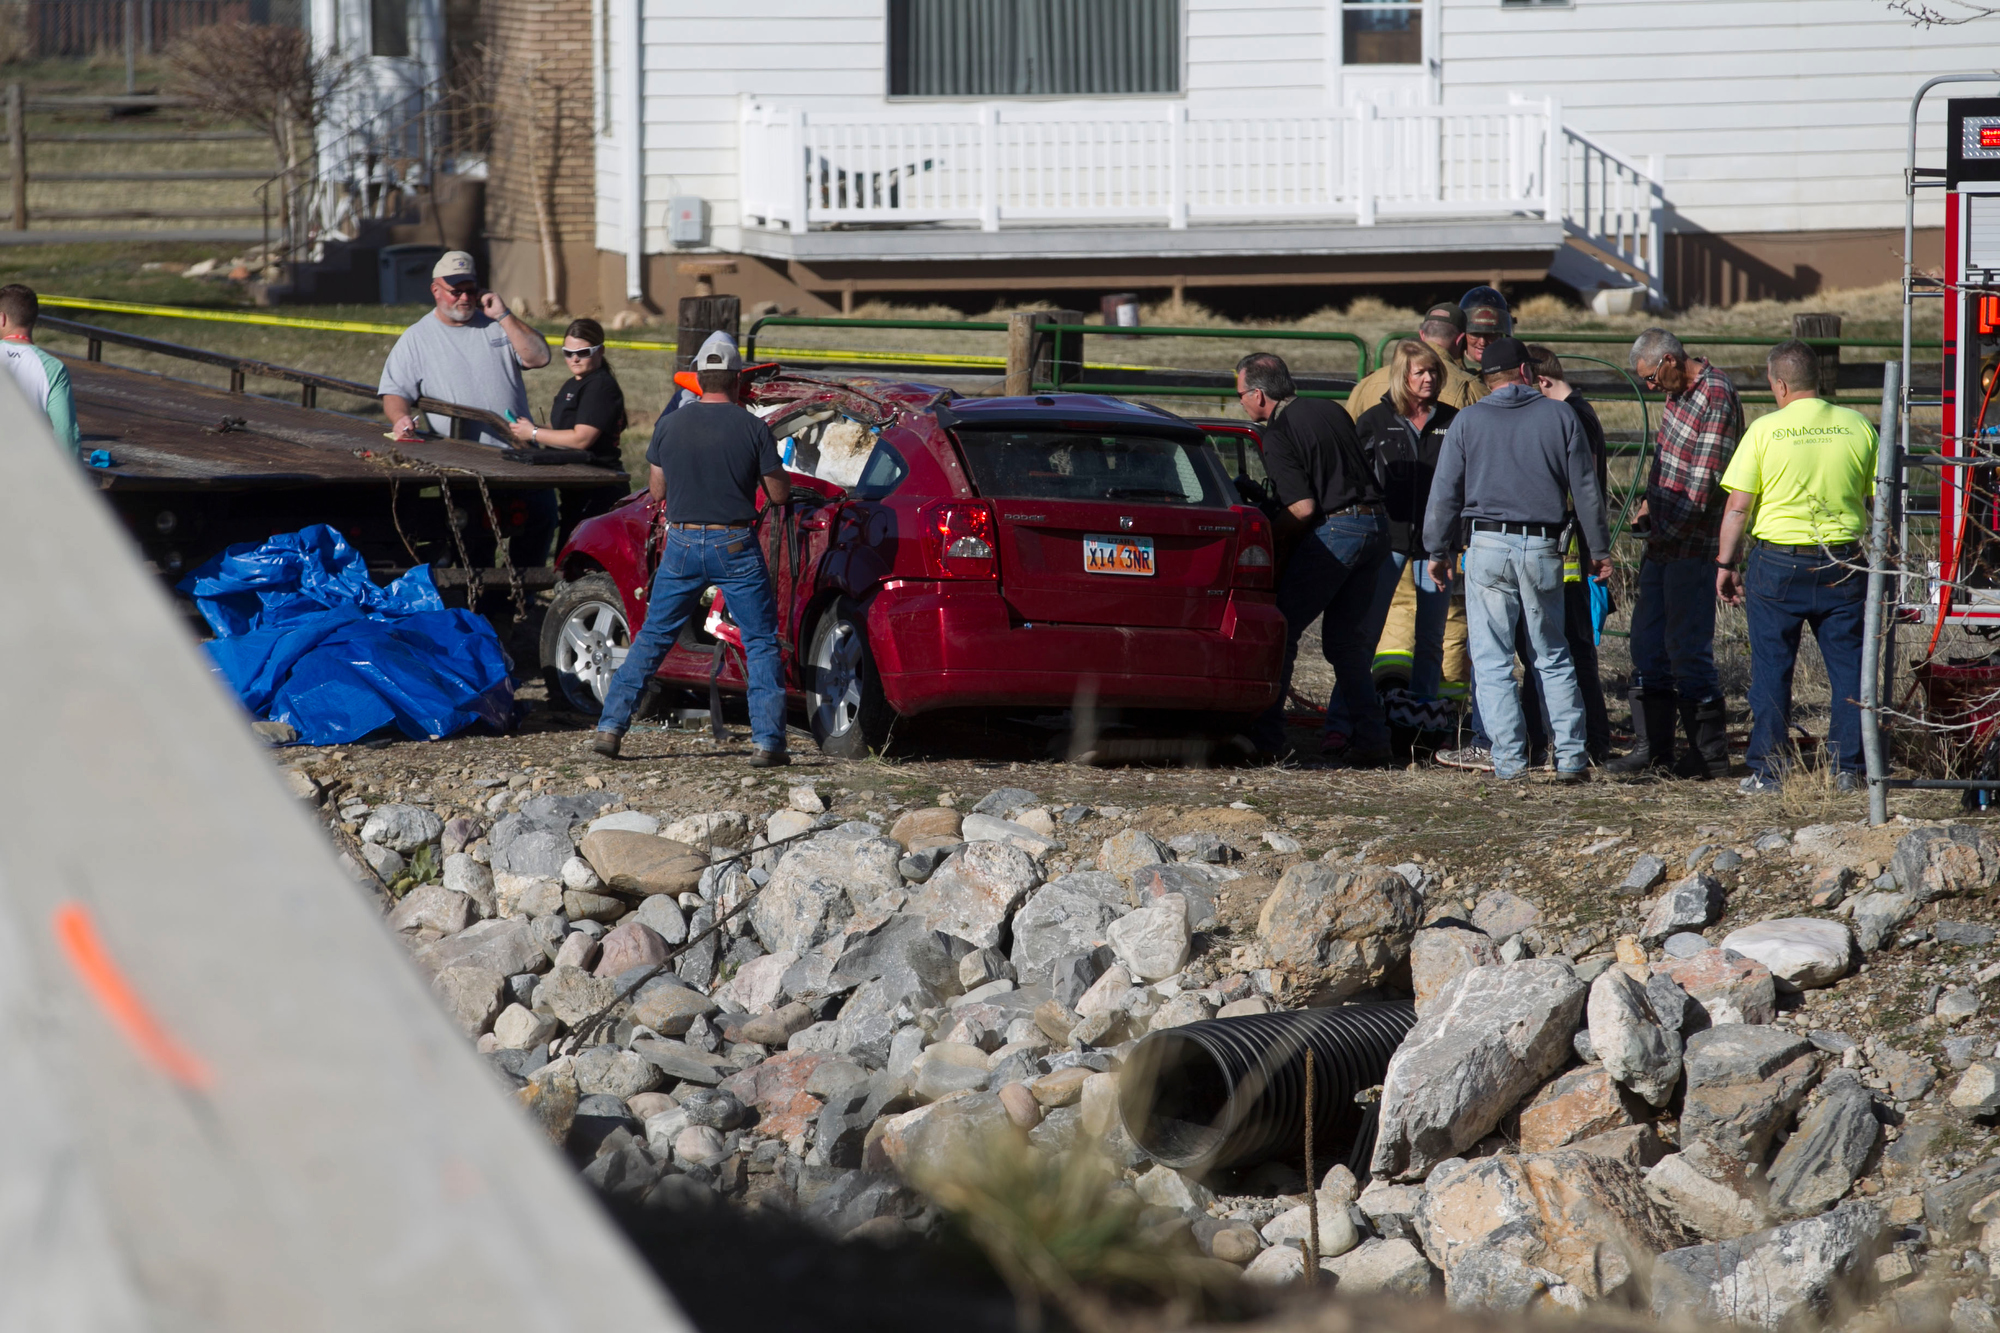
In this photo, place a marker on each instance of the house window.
(1033, 48)
(1374, 33)
(389, 27)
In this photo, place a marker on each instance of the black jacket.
(1403, 461)
(1312, 453)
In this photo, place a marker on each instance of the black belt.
(1842, 549)
(1355, 509)
(1518, 529)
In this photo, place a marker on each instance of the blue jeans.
(730, 559)
(1673, 630)
(1332, 573)
(1784, 591)
(1427, 661)
(1577, 632)
(1515, 581)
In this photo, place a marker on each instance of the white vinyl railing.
(998, 163)
(1614, 206)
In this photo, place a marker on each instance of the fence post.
(1177, 209)
(131, 39)
(17, 152)
(1020, 352)
(1822, 326)
(1364, 196)
(1888, 460)
(989, 170)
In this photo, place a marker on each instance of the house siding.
(1769, 115)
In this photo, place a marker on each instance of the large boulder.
(1153, 941)
(1583, 1217)
(985, 828)
(1690, 904)
(795, 912)
(1199, 885)
(1781, 1277)
(1441, 953)
(1827, 1152)
(1059, 919)
(1130, 849)
(934, 821)
(1801, 952)
(508, 947)
(635, 863)
(1877, 917)
(1383, 1268)
(1339, 931)
(1744, 1085)
(1501, 914)
(1725, 986)
(669, 1007)
(902, 952)
(1932, 863)
(1704, 1207)
(628, 946)
(401, 828)
(863, 865)
(1636, 1048)
(727, 829)
(1492, 1037)
(971, 896)
(433, 907)
(1577, 1105)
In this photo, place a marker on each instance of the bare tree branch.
(1925, 16)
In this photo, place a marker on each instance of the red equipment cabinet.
(1968, 590)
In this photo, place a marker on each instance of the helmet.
(1487, 296)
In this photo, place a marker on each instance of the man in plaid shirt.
(1673, 624)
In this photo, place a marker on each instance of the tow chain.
(502, 556)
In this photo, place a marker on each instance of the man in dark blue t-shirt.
(708, 460)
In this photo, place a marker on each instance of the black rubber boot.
(1652, 734)
(1707, 753)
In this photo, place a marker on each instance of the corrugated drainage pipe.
(1231, 1091)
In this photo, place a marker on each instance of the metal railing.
(1614, 206)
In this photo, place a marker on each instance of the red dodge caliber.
(947, 552)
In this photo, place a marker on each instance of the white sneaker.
(1476, 758)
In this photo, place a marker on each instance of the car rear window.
(1080, 465)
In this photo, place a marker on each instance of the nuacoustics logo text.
(1795, 432)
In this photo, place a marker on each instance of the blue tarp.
(305, 637)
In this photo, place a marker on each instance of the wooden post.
(1020, 352)
(1312, 1183)
(1822, 326)
(17, 152)
(700, 316)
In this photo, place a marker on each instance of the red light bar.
(1989, 136)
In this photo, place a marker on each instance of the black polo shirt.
(591, 400)
(1312, 452)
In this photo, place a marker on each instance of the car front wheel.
(584, 642)
(849, 715)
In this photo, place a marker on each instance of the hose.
(1231, 1091)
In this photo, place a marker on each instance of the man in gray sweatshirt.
(1515, 468)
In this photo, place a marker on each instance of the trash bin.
(406, 273)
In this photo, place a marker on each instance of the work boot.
(607, 743)
(1652, 734)
(770, 759)
(1707, 753)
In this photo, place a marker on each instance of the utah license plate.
(1118, 555)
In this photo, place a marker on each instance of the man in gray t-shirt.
(470, 351)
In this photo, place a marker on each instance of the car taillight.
(964, 542)
(1254, 562)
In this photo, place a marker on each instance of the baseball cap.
(454, 266)
(1504, 354)
(1448, 312)
(718, 352)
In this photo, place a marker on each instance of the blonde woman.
(1401, 434)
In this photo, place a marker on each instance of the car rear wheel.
(584, 642)
(849, 715)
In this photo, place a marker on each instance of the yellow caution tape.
(395, 330)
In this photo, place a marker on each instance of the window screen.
(1033, 48)
(1381, 34)
(389, 27)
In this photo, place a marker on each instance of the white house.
(812, 151)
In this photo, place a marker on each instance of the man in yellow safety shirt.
(1800, 483)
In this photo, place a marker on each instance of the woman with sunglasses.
(589, 410)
